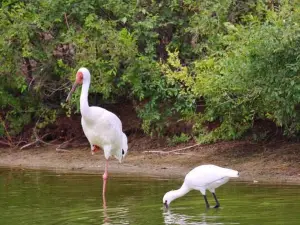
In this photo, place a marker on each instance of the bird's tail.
(124, 145)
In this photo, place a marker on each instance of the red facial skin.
(79, 78)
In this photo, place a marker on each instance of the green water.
(38, 197)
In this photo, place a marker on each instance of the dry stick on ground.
(172, 151)
(59, 149)
(5, 143)
(19, 142)
(37, 140)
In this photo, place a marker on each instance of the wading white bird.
(102, 128)
(202, 178)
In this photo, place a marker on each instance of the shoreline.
(258, 164)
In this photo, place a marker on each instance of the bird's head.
(168, 198)
(83, 75)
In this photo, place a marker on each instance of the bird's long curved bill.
(71, 92)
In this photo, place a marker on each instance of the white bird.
(202, 178)
(102, 128)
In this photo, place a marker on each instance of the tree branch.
(173, 151)
(37, 140)
(66, 20)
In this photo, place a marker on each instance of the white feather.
(100, 126)
(201, 178)
(208, 177)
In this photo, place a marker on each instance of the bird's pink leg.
(104, 202)
(105, 176)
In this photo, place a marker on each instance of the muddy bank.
(273, 162)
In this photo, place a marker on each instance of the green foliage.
(46, 117)
(178, 139)
(241, 58)
(256, 75)
(160, 97)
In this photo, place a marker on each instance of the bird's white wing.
(108, 128)
(106, 124)
(105, 116)
(206, 174)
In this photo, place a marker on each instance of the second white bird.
(202, 178)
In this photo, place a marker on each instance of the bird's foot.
(95, 149)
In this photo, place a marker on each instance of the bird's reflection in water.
(105, 215)
(184, 219)
(114, 215)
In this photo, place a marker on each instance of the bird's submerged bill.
(166, 204)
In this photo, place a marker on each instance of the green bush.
(241, 58)
(178, 139)
(256, 75)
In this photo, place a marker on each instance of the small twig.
(52, 89)
(66, 19)
(51, 142)
(181, 153)
(37, 140)
(31, 83)
(65, 142)
(172, 151)
(160, 152)
(5, 143)
(20, 141)
(28, 145)
(180, 149)
(62, 150)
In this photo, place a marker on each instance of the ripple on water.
(172, 218)
(117, 215)
(41, 198)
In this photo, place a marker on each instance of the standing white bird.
(202, 178)
(102, 128)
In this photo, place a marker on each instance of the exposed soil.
(273, 162)
(276, 161)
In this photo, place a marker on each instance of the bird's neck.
(84, 104)
(180, 192)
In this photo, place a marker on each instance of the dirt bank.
(273, 162)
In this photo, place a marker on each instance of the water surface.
(39, 197)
